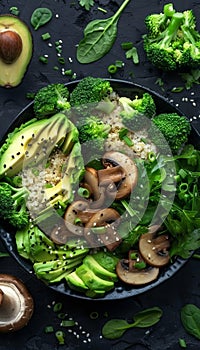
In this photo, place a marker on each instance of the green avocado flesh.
(13, 73)
(91, 278)
(26, 142)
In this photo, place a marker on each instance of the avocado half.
(16, 49)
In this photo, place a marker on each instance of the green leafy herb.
(99, 37)
(14, 10)
(190, 318)
(114, 329)
(191, 78)
(40, 16)
(87, 4)
(182, 343)
(133, 53)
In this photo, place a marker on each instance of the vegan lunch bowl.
(99, 188)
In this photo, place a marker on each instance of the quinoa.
(142, 145)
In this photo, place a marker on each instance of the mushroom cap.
(16, 307)
(154, 249)
(72, 213)
(136, 277)
(114, 158)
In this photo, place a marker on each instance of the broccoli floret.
(173, 128)
(157, 22)
(92, 134)
(50, 100)
(90, 90)
(136, 112)
(13, 205)
(174, 45)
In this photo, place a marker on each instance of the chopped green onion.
(151, 156)
(67, 323)
(83, 192)
(183, 187)
(128, 141)
(77, 221)
(68, 72)
(49, 329)
(60, 337)
(46, 36)
(122, 133)
(140, 265)
(183, 173)
(99, 229)
(134, 255)
(61, 315)
(112, 69)
(94, 315)
(61, 60)
(57, 307)
(43, 59)
(127, 45)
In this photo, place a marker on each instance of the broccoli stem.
(168, 10)
(19, 194)
(172, 29)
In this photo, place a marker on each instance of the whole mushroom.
(16, 304)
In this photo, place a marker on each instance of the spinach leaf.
(190, 318)
(40, 16)
(115, 328)
(99, 37)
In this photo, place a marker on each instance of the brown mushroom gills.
(154, 249)
(16, 306)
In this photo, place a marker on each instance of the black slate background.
(67, 24)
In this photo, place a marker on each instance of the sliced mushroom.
(91, 178)
(135, 271)
(101, 229)
(16, 304)
(136, 277)
(72, 213)
(155, 249)
(129, 181)
(111, 174)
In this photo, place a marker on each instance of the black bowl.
(121, 291)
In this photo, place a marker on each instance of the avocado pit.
(10, 46)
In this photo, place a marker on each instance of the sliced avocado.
(95, 293)
(12, 159)
(92, 281)
(99, 270)
(52, 134)
(75, 282)
(26, 143)
(13, 72)
(71, 138)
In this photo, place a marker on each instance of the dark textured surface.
(183, 287)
